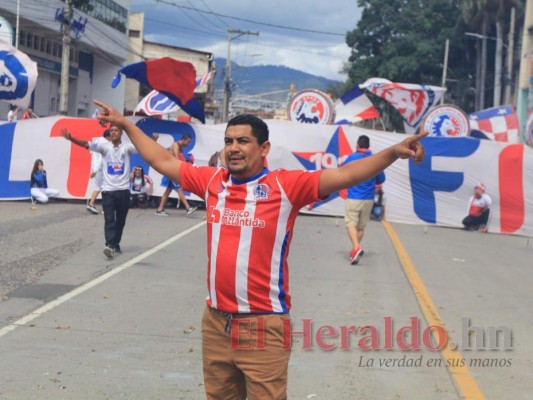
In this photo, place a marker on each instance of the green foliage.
(404, 41)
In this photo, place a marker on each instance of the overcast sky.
(306, 35)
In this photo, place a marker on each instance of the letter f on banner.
(425, 181)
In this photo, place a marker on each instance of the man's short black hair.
(259, 127)
(107, 133)
(363, 142)
(185, 136)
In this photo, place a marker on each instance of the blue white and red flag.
(175, 79)
(498, 123)
(204, 79)
(412, 101)
(156, 103)
(354, 106)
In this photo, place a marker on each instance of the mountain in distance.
(262, 79)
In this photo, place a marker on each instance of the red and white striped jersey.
(249, 230)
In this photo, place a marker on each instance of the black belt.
(230, 316)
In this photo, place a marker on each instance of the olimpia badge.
(311, 107)
(446, 121)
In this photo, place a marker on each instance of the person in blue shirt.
(359, 201)
(40, 191)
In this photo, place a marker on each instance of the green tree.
(487, 18)
(403, 41)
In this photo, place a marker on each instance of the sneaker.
(92, 209)
(190, 210)
(118, 250)
(355, 255)
(483, 229)
(161, 213)
(109, 252)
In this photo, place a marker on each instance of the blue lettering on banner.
(10, 189)
(172, 128)
(425, 181)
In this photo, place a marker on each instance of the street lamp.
(479, 36)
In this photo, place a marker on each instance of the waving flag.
(18, 75)
(204, 79)
(175, 79)
(411, 100)
(498, 123)
(155, 103)
(354, 106)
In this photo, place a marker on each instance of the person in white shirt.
(141, 188)
(12, 114)
(478, 210)
(115, 185)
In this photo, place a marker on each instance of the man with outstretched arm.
(251, 214)
(115, 183)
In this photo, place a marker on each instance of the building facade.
(99, 47)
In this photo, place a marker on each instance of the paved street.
(76, 326)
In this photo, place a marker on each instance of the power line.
(217, 17)
(299, 49)
(250, 21)
(184, 28)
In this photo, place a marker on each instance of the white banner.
(436, 192)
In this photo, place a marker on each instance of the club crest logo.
(261, 191)
(311, 107)
(446, 121)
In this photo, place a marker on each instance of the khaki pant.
(357, 212)
(247, 357)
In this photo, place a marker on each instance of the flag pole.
(445, 67)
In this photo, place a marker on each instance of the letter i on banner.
(511, 184)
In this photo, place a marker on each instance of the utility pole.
(65, 60)
(510, 50)
(496, 99)
(17, 30)
(483, 65)
(227, 75)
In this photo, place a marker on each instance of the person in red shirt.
(28, 114)
(251, 214)
(478, 210)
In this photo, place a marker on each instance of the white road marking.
(102, 278)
